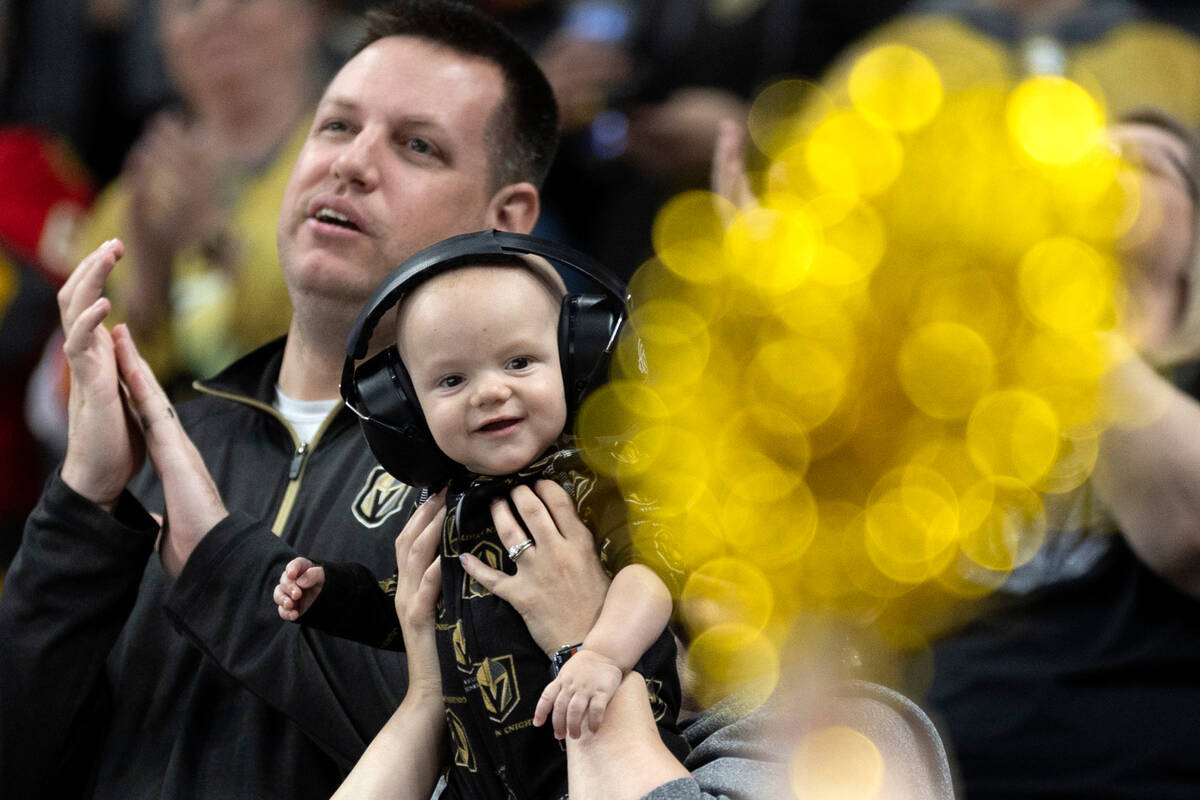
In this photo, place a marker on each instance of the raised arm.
(221, 567)
(1148, 473)
(402, 762)
(625, 758)
(87, 535)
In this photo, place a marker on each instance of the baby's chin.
(497, 472)
(507, 458)
(497, 467)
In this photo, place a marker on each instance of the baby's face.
(481, 347)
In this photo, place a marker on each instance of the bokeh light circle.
(945, 368)
(733, 659)
(727, 591)
(896, 86)
(836, 763)
(1013, 433)
(1054, 120)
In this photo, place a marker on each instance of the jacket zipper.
(298, 462)
(295, 472)
(299, 458)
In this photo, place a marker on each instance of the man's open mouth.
(331, 217)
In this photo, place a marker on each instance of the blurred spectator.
(643, 87)
(1075, 680)
(1079, 677)
(196, 200)
(1172, 12)
(43, 195)
(87, 70)
(1110, 47)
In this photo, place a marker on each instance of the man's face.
(481, 347)
(396, 160)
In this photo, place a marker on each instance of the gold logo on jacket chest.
(381, 497)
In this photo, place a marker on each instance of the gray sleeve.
(731, 759)
(907, 739)
(741, 757)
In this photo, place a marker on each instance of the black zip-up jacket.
(118, 682)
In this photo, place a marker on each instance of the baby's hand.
(581, 691)
(298, 587)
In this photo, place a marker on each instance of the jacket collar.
(252, 378)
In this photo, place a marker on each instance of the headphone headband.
(453, 252)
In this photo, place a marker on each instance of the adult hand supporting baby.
(402, 761)
(418, 569)
(559, 586)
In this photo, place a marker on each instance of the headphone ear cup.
(393, 425)
(588, 326)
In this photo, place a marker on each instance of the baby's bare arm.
(636, 609)
(298, 587)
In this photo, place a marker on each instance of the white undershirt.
(304, 415)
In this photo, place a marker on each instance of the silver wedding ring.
(517, 549)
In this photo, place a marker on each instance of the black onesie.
(492, 671)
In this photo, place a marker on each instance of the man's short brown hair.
(523, 133)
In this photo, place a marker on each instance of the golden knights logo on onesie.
(459, 746)
(497, 679)
(381, 496)
(489, 553)
(658, 706)
(460, 649)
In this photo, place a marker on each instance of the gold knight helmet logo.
(658, 706)
(460, 747)
(489, 553)
(498, 684)
(460, 648)
(381, 496)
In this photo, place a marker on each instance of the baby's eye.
(420, 146)
(520, 362)
(450, 381)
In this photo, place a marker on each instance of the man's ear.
(514, 208)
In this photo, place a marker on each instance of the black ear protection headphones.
(380, 391)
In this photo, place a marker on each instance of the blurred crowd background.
(173, 124)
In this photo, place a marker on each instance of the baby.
(480, 344)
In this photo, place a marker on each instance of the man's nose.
(356, 165)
